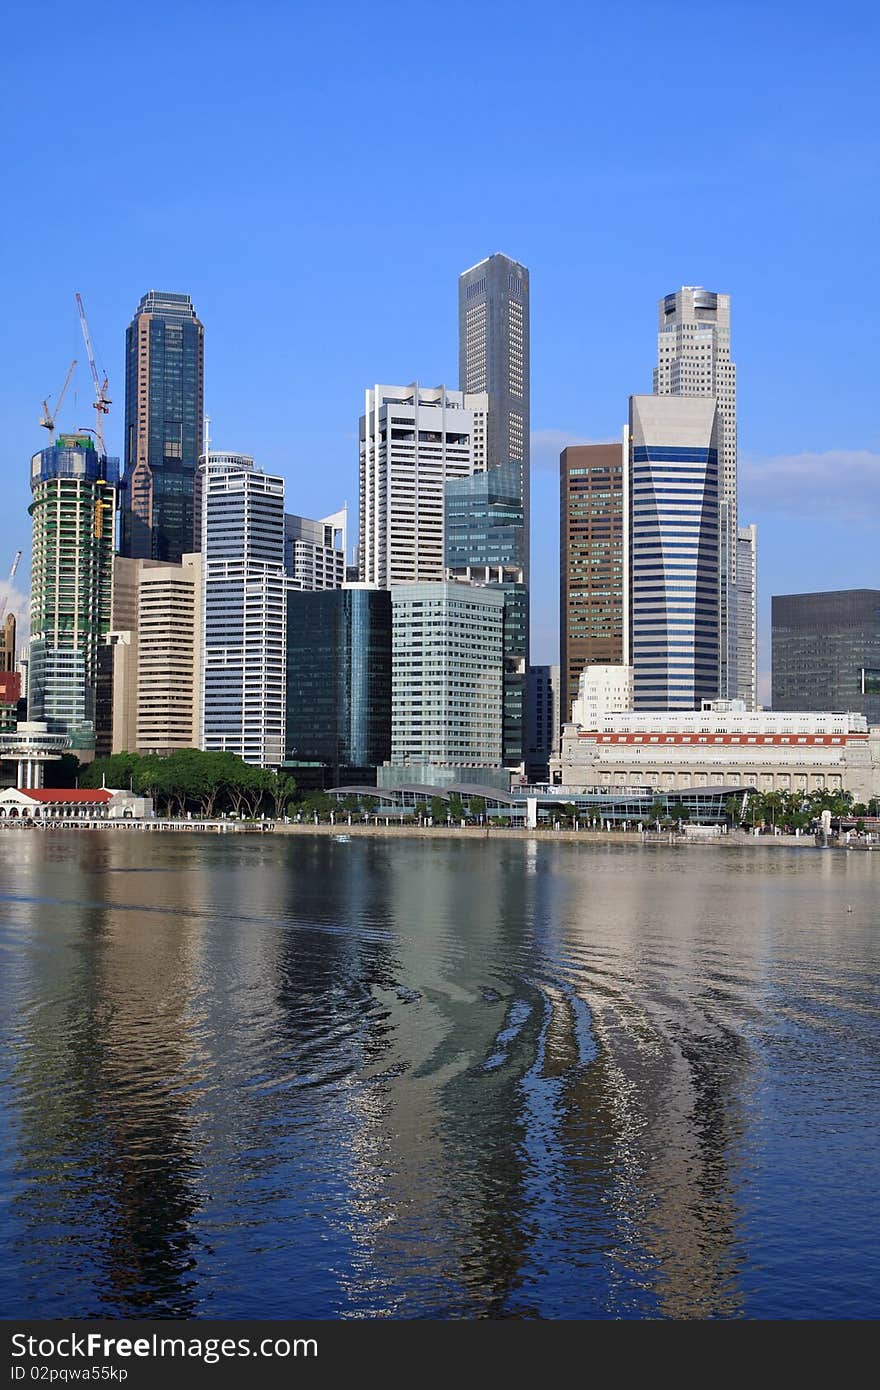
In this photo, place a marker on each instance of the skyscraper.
(164, 405)
(73, 514)
(747, 615)
(339, 682)
(412, 441)
(674, 552)
(485, 544)
(447, 688)
(244, 588)
(592, 562)
(826, 651)
(314, 551)
(693, 359)
(493, 356)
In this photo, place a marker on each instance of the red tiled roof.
(66, 794)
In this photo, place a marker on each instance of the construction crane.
(102, 400)
(5, 599)
(48, 419)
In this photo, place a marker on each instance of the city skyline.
(299, 323)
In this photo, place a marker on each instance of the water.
(262, 1076)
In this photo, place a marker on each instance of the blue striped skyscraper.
(674, 569)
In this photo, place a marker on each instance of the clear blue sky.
(316, 176)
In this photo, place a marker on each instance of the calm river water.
(299, 1077)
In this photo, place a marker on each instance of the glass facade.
(485, 543)
(164, 389)
(338, 683)
(826, 652)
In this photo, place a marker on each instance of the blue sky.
(316, 176)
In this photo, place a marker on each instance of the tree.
(438, 809)
(733, 809)
(657, 810)
(477, 806)
(456, 808)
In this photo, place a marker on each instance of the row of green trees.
(791, 811)
(191, 780)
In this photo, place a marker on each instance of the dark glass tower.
(485, 544)
(493, 356)
(826, 651)
(339, 682)
(164, 408)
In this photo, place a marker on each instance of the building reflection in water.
(377, 1078)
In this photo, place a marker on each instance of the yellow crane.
(49, 417)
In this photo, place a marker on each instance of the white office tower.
(412, 441)
(314, 551)
(446, 685)
(244, 612)
(747, 616)
(693, 359)
(602, 690)
(672, 513)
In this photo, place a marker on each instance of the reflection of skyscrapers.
(73, 512)
(592, 562)
(674, 551)
(164, 403)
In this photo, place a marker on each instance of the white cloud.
(840, 484)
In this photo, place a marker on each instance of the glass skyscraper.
(164, 406)
(826, 652)
(485, 544)
(338, 682)
(73, 514)
(674, 568)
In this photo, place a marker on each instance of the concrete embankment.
(492, 832)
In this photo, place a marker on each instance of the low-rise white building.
(723, 742)
(63, 803)
(602, 690)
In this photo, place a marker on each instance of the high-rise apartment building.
(826, 651)
(413, 440)
(164, 404)
(73, 516)
(747, 616)
(243, 628)
(693, 359)
(673, 444)
(592, 619)
(543, 721)
(447, 685)
(338, 684)
(314, 551)
(493, 357)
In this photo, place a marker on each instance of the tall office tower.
(673, 545)
(693, 359)
(169, 656)
(338, 724)
(747, 615)
(485, 544)
(544, 725)
(412, 441)
(446, 692)
(243, 627)
(73, 513)
(493, 357)
(592, 568)
(314, 551)
(164, 404)
(7, 643)
(826, 651)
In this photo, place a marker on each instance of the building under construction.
(74, 487)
